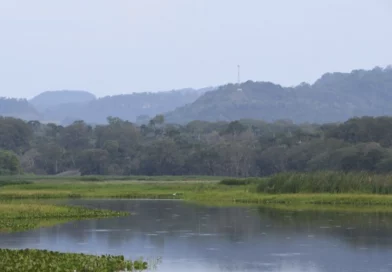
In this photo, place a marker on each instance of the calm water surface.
(191, 238)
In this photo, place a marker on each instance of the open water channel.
(188, 237)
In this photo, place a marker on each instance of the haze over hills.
(133, 107)
(52, 99)
(66, 106)
(18, 108)
(333, 97)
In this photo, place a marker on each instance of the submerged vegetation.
(48, 261)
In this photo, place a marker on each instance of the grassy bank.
(47, 261)
(310, 188)
(326, 182)
(18, 216)
(37, 178)
(203, 191)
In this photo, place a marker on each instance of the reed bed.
(326, 182)
(302, 188)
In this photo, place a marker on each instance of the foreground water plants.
(29, 260)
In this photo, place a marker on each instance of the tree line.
(239, 148)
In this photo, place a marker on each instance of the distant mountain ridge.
(52, 99)
(18, 108)
(67, 106)
(332, 98)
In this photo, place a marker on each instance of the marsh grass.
(29, 260)
(310, 188)
(18, 216)
(240, 181)
(201, 192)
(110, 189)
(326, 182)
(34, 178)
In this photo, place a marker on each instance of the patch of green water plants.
(18, 216)
(29, 260)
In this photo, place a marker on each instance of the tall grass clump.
(326, 182)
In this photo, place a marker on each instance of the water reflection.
(194, 238)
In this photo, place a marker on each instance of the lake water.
(191, 238)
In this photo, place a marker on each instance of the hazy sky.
(125, 46)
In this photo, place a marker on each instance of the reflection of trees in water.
(357, 229)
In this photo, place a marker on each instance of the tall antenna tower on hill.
(239, 79)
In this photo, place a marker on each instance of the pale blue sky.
(124, 46)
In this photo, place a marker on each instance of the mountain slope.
(52, 99)
(127, 106)
(334, 97)
(18, 108)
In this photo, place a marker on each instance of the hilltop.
(67, 106)
(332, 98)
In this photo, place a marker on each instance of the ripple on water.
(288, 254)
(106, 230)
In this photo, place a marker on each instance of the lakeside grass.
(320, 182)
(38, 178)
(19, 216)
(47, 261)
(321, 188)
(191, 191)
(21, 208)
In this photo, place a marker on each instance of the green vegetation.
(244, 148)
(311, 188)
(319, 182)
(17, 215)
(9, 163)
(48, 261)
(5, 182)
(326, 182)
(238, 182)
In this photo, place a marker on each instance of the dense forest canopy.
(239, 148)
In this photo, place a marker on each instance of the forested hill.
(136, 107)
(64, 107)
(239, 148)
(52, 99)
(19, 108)
(333, 97)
